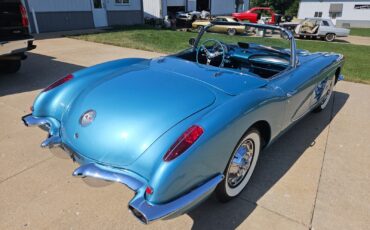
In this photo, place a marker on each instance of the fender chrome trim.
(105, 173)
(52, 141)
(30, 121)
(148, 213)
(49, 124)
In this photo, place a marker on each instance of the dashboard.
(256, 60)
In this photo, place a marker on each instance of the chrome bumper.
(49, 124)
(146, 212)
(139, 206)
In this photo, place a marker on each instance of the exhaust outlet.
(140, 216)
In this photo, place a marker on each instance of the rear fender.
(55, 102)
(223, 128)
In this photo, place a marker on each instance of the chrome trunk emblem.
(87, 118)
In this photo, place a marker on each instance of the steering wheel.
(212, 49)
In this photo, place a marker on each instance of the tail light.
(187, 139)
(23, 11)
(59, 82)
(149, 190)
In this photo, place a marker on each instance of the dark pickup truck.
(15, 39)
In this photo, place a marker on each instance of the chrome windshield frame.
(293, 47)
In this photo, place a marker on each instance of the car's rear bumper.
(139, 206)
(16, 46)
(147, 212)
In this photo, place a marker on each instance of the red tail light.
(23, 11)
(149, 190)
(184, 142)
(59, 82)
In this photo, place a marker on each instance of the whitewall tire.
(241, 166)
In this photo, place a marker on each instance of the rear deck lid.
(133, 107)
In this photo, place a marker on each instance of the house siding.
(222, 7)
(60, 5)
(133, 6)
(153, 8)
(131, 17)
(350, 15)
(59, 15)
(176, 2)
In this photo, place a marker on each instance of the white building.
(58, 15)
(161, 8)
(343, 13)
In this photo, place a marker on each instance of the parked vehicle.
(319, 28)
(229, 29)
(175, 129)
(185, 19)
(193, 15)
(256, 13)
(15, 39)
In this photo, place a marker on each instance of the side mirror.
(192, 41)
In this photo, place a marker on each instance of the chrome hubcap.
(327, 95)
(241, 163)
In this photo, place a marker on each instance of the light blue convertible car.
(176, 129)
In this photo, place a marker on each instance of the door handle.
(291, 93)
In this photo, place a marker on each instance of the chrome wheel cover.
(327, 95)
(330, 37)
(241, 163)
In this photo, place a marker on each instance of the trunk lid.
(134, 107)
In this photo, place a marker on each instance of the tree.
(285, 7)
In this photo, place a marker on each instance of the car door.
(324, 27)
(219, 28)
(302, 90)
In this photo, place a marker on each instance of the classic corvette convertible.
(176, 129)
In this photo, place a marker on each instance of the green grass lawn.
(356, 69)
(365, 32)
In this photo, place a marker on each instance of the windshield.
(253, 49)
(270, 38)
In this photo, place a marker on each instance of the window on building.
(335, 10)
(362, 7)
(125, 2)
(318, 14)
(335, 15)
(97, 4)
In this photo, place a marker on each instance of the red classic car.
(254, 14)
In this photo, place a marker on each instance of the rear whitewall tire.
(329, 37)
(226, 191)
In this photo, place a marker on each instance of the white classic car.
(320, 28)
(193, 15)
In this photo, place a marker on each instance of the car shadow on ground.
(274, 162)
(37, 72)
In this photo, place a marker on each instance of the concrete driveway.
(315, 176)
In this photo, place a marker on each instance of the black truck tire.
(10, 66)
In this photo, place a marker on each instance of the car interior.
(248, 58)
(311, 26)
